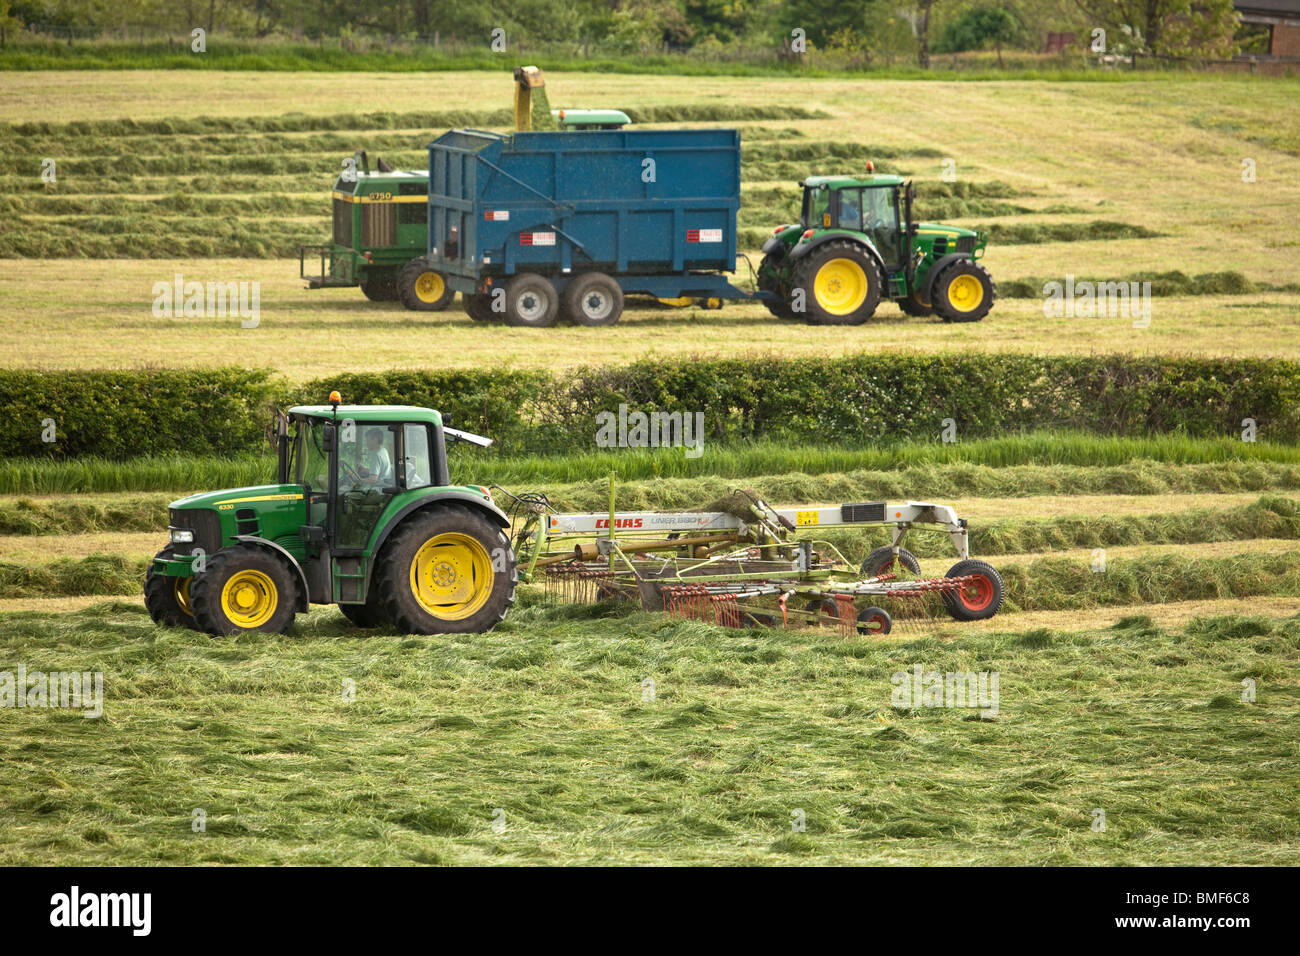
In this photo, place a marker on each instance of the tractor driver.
(376, 467)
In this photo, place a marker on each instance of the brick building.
(1282, 17)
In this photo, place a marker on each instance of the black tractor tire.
(768, 282)
(875, 620)
(479, 307)
(593, 299)
(244, 576)
(423, 288)
(852, 291)
(963, 292)
(409, 591)
(881, 561)
(166, 598)
(531, 301)
(368, 615)
(380, 289)
(980, 599)
(912, 305)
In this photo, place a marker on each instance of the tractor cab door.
(367, 480)
(873, 211)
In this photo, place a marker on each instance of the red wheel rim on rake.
(975, 592)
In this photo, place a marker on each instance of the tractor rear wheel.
(244, 588)
(167, 598)
(479, 307)
(841, 284)
(963, 292)
(380, 289)
(448, 570)
(531, 301)
(977, 599)
(768, 282)
(593, 299)
(423, 288)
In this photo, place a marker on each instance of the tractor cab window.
(367, 480)
(311, 463)
(816, 208)
(850, 209)
(880, 220)
(415, 456)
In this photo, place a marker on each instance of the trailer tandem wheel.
(531, 301)
(593, 298)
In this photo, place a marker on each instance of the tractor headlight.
(181, 535)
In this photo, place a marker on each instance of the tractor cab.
(872, 206)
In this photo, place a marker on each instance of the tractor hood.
(257, 497)
(935, 229)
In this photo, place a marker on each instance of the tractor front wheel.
(593, 299)
(841, 284)
(531, 301)
(167, 598)
(447, 571)
(244, 588)
(963, 292)
(422, 288)
(912, 305)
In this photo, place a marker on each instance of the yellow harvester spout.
(527, 79)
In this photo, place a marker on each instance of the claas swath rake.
(740, 562)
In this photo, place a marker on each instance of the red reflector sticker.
(703, 235)
(537, 238)
(496, 215)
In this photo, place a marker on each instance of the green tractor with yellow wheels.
(856, 244)
(363, 515)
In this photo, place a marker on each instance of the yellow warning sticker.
(807, 517)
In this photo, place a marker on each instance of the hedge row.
(854, 400)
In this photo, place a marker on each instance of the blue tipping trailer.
(528, 223)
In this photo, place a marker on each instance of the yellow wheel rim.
(840, 286)
(965, 292)
(452, 576)
(249, 598)
(181, 592)
(429, 287)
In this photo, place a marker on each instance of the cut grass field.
(1157, 157)
(542, 725)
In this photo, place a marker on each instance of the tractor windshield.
(311, 463)
(816, 207)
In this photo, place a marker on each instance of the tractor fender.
(940, 264)
(773, 246)
(802, 249)
(301, 603)
(491, 511)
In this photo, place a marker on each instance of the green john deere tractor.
(363, 515)
(380, 238)
(857, 244)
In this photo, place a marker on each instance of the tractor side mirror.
(328, 436)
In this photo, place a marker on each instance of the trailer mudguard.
(301, 604)
(939, 265)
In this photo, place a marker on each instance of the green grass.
(544, 719)
(1036, 450)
